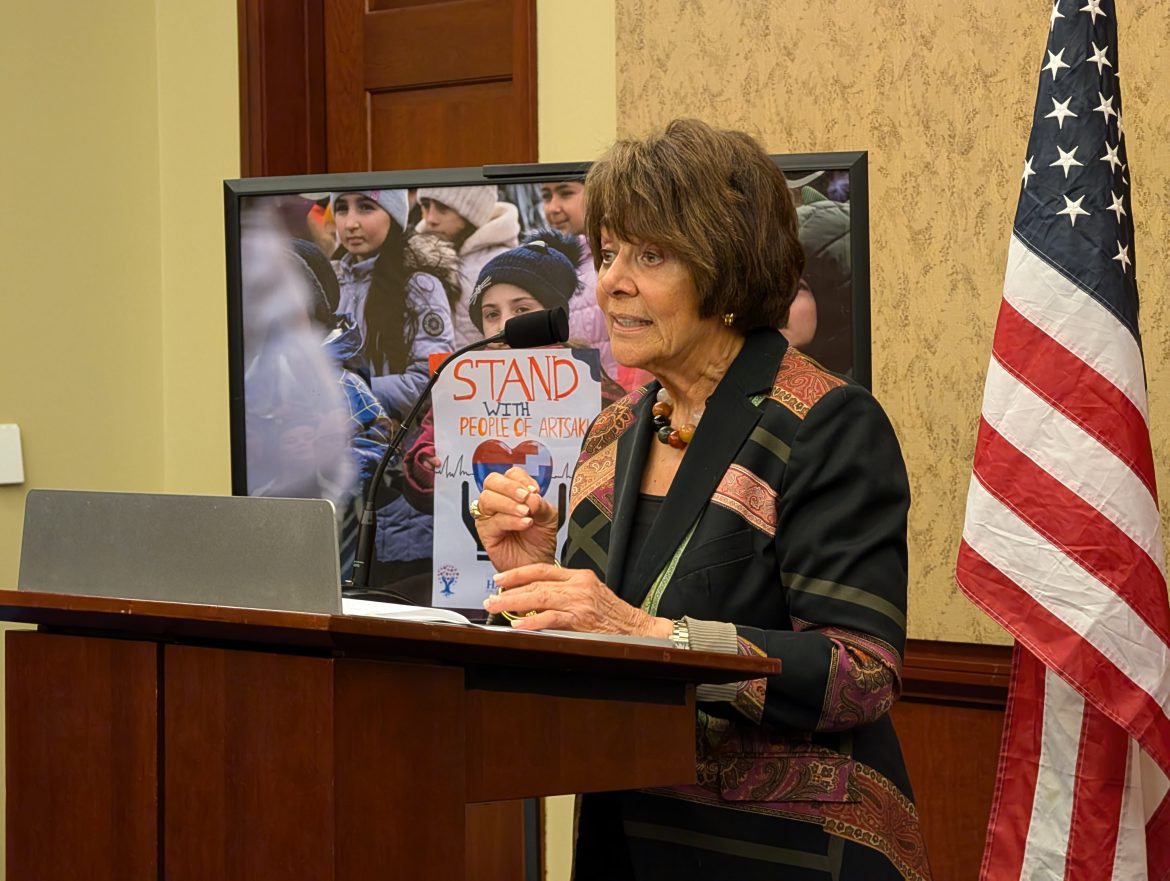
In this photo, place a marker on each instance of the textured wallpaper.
(941, 96)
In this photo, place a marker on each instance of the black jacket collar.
(726, 424)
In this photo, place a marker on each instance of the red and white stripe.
(1062, 545)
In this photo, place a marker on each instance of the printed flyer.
(493, 410)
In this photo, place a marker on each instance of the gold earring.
(728, 319)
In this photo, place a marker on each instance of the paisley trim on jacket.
(594, 479)
(864, 679)
(614, 421)
(844, 797)
(750, 496)
(801, 382)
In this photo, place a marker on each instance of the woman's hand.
(516, 525)
(569, 599)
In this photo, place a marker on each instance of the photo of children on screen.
(388, 277)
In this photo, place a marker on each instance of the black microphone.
(534, 329)
(527, 331)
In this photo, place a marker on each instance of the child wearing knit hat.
(540, 274)
(479, 226)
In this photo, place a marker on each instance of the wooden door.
(429, 83)
(351, 85)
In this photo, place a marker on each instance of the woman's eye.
(607, 256)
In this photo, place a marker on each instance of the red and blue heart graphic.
(493, 456)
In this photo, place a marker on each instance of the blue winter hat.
(545, 266)
(393, 202)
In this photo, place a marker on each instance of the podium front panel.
(82, 770)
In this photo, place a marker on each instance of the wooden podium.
(152, 740)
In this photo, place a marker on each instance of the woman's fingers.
(522, 477)
(537, 596)
(550, 619)
(514, 482)
(514, 493)
(523, 576)
(503, 523)
(493, 502)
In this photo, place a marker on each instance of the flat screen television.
(310, 258)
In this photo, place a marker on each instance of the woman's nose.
(615, 279)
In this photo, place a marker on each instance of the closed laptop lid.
(243, 551)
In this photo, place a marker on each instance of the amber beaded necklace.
(663, 430)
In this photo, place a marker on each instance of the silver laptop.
(243, 551)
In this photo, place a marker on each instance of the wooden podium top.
(353, 636)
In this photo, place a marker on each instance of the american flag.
(1062, 543)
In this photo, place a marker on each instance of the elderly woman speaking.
(745, 501)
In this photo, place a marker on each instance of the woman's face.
(564, 206)
(504, 301)
(650, 302)
(362, 224)
(441, 220)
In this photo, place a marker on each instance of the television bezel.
(236, 190)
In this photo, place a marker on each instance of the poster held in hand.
(494, 410)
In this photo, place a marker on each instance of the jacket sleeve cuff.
(713, 636)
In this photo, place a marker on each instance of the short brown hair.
(715, 200)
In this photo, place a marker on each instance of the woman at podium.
(747, 501)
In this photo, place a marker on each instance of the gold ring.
(476, 514)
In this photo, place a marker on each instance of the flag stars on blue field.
(1067, 160)
(1073, 209)
(1123, 256)
(1055, 62)
(1060, 111)
(1098, 58)
(1105, 108)
(1116, 207)
(1111, 156)
(1093, 7)
(1073, 80)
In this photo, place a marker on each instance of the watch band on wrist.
(680, 634)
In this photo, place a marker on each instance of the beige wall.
(941, 95)
(199, 147)
(120, 121)
(120, 124)
(575, 79)
(79, 157)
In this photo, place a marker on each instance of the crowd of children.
(394, 276)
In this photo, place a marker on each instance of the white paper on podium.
(493, 410)
(401, 612)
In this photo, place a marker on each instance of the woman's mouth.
(622, 322)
